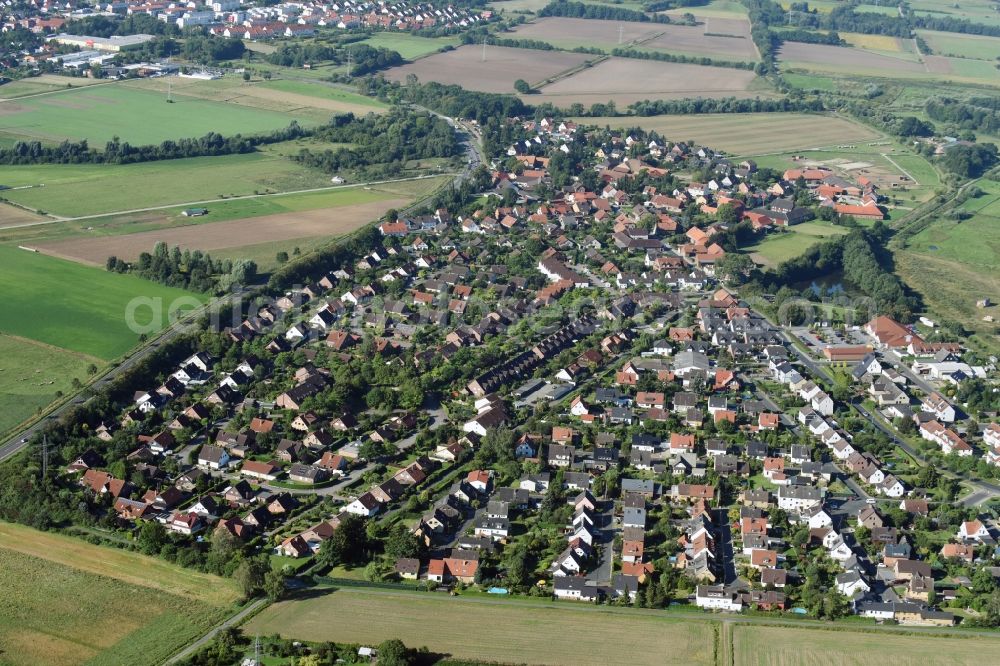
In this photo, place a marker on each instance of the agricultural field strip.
(748, 134)
(217, 200)
(545, 632)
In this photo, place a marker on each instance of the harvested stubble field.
(12, 215)
(503, 66)
(67, 602)
(626, 81)
(756, 645)
(691, 40)
(749, 133)
(477, 628)
(210, 236)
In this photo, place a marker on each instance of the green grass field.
(322, 91)
(977, 11)
(299, 202)
(494, 631)
(77, 308)
(974, 242)
(962, 46)
(67, 602)
(135, 115)
(74, 190)
(30, 375)
(953, 264)
(750, 133)
(779, 246)
(812, 82)
(409, 46)
(42, 84)
(757, 645)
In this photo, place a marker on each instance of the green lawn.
(30, 375)
(779, 246)
(409, 46)
(135, 115)
(77, 308)
(74, 190)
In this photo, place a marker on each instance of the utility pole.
(621, 30)
(256, 650)
(350, 61)
(484, 49)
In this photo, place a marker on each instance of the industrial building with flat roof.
(114, 43)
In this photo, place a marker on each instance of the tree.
(274, 585)
(152, 537)
(517, 569)
(246, 76)
(348, 543)
(250, 575)
(282, 257)
(402, 543)
(734, 268)
(522, 86)
(393, 653)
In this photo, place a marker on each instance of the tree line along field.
(67, 602)
(77, 308)
(749, 133)
(488, 630)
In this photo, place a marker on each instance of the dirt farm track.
(220, 235)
